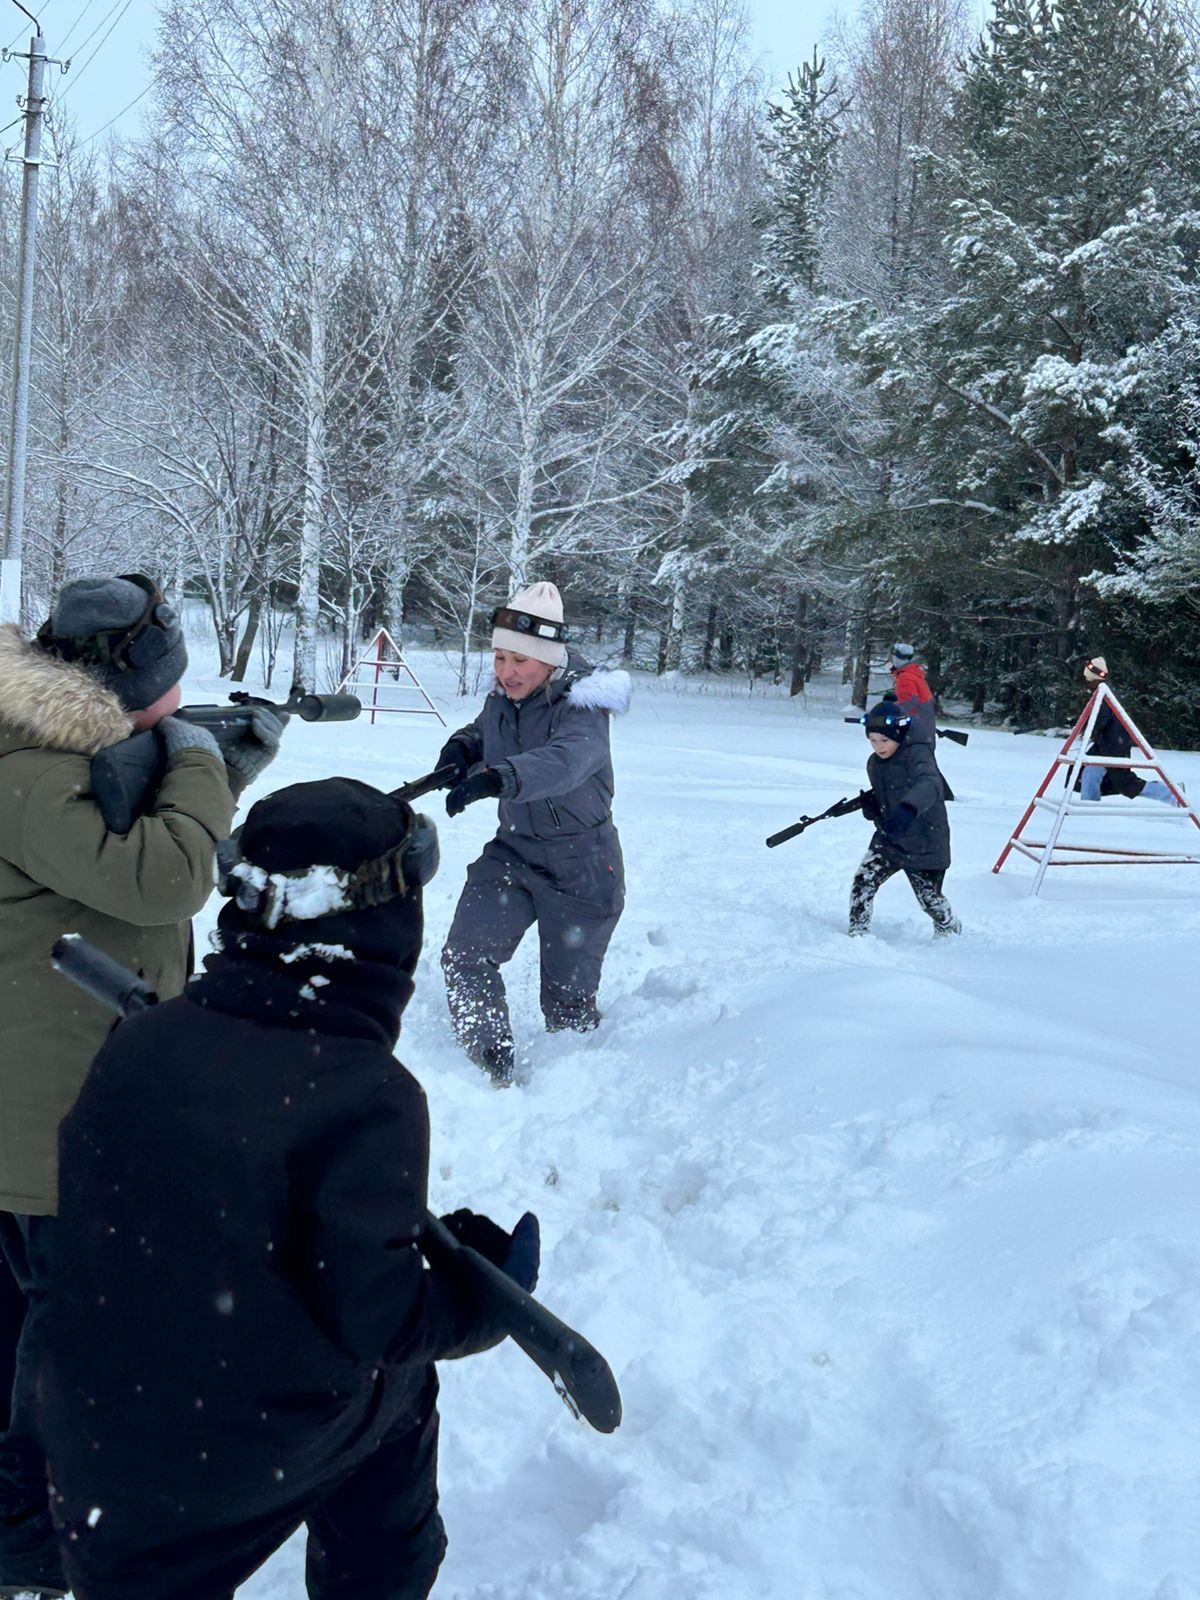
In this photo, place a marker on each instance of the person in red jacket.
(915, 700)
(913, 694)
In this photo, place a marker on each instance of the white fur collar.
(603, 690)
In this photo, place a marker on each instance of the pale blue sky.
(110, 41)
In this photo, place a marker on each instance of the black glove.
(870, 807)
(517, 1253)
(483, 785)
(896, 827)
(454, 753)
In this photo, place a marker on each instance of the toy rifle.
(840, 808)
(127, 776)
(953, 734)
(576, 1368)
(441, 778)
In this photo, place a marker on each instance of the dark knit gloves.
(870, 807)
(178, 734)
(518, 1253)
(254, 752)
(896, 827)
(483, 785)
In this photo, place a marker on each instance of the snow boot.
(498, 1061)
(943, 930)
(582, 1019)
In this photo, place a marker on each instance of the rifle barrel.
(442, 778)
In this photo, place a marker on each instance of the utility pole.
(14, 499)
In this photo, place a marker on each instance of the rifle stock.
(127, 776)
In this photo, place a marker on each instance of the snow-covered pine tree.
(799, 147)
(1070, 192)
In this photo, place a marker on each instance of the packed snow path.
(893, 1245)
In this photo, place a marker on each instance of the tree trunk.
(678, 620)
(304, 667)
(848, 651)
(799, 650)
(249, 635)
(630, 641)
(710, 636)
(862, 660)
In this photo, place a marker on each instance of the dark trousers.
(874, 871)
(374, 1534)
(575, 898)
(28, 1547)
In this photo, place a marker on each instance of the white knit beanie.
(539, 600)
(1096, 669)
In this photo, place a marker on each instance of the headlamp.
(525, 622)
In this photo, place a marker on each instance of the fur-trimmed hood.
(54, 705)
(589, 688)
(602, 689)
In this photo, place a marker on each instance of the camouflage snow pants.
(874, 871)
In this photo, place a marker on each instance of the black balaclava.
(346, 971)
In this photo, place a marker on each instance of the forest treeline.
(396, 305)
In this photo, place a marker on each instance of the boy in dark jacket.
(243, 1329)
(912, 834)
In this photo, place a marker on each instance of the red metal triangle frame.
(1043, 851)
(376, 664)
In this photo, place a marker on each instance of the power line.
(105, 126)
(83, 11)
(85, 42)
(76, 77)
(24, 31)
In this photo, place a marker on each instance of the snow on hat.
(902, 654)
(1096, 668)
(315, 849)
(122, 631)
(540, 602)
(888, 719)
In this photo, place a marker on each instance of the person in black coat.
(1110, 737)
(243, 1331)
(912, 833)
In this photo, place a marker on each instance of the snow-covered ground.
(893, 1245)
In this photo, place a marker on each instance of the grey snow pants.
(574, 889)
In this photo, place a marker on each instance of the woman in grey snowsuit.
(540, 745)
(912, 833)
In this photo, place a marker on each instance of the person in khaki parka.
(107, 663)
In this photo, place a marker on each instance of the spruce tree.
(1016, 395)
